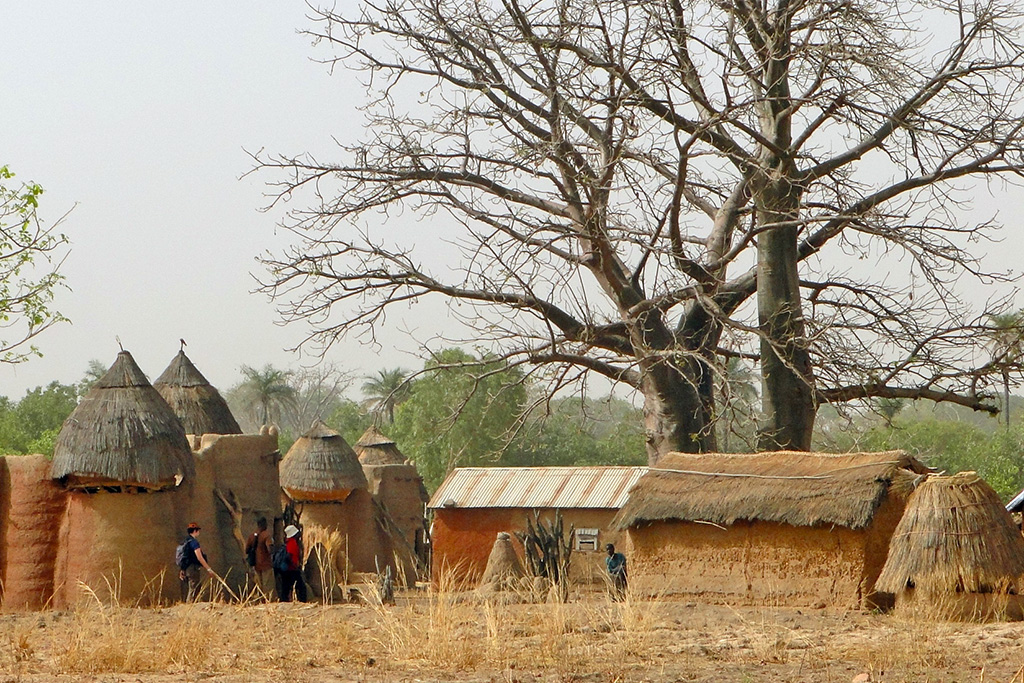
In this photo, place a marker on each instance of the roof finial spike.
(183, 344)
(118, 339)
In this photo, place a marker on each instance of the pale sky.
(136, 117)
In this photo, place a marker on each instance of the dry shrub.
(110, 638)
(910, 642)
(328, 550)
(446, 636)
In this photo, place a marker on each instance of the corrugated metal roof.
(536, 487)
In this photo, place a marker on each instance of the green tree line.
(462, 409)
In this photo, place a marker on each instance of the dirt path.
(460, 638)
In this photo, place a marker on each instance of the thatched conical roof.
(801, 489)
(122, 433)
(955, 536)
(194, 400)
(373, 448)
(321, 466)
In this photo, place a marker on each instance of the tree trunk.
(787, 380)
(1006, 396)
(678, 403)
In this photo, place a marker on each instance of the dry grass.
(450, 634)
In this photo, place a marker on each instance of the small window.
(586, 539)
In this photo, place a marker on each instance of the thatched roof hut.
(373, 448)
(955, 537)
(194, 400)
(799, 489)
(122, 434)
(321, 466)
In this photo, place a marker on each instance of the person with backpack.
(259, 551)
(190, 558)
(289, 564)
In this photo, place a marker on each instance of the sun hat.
(291, 530)
(194, 527)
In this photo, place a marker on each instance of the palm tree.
(385, 390)
(1008, 345)
(267, 391)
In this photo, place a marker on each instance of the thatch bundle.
(504, 570)
(197, 404)
(373, 448)
(122, 434)
(321, 466)
(800, 489)
(955, 537)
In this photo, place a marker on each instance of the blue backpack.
(281, 560)
(183, 559)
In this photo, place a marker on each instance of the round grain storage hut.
(956, 553)
(122, 455)
(398, 487)
(322, 472)
(199, 406)
(373, 448)
(321, 467)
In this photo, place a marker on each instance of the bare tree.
(319, 391)
(646, 189)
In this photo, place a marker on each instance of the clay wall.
(756, 563)
(246, 465)
(462, 539)
(120, 545)
(367, 544)
(398, 488)
(31, 508)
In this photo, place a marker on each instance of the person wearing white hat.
(292, 576)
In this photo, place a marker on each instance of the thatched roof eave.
(799, 489)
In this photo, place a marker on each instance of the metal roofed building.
(474, 504)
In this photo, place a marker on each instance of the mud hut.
(397, 487)
(373, 448)
(781, 528)
(120, 455)
(473, 504)
(194, 400)
(956, 552)
(323, 474)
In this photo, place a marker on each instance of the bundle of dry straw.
(955, 537)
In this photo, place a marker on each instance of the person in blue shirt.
(616, 564)
(191, 579)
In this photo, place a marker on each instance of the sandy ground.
(462, 638)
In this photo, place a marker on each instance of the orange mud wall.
(31, 507)
(120, 546)
(763, 562)
(462, 540)
(365, 544)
